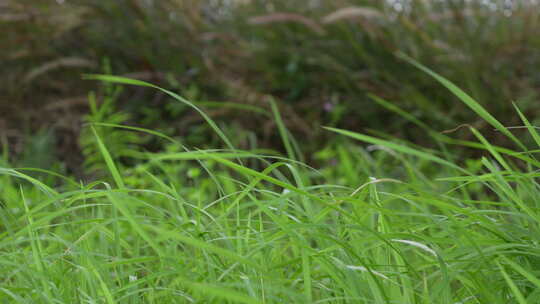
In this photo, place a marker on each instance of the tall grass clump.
(389, 222)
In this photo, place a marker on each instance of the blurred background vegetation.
(321, 61)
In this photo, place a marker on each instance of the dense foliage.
(319, 60)
(269, 152)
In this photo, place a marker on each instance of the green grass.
(387, 222)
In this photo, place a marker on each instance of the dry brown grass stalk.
(65, 103)
(288, 17)
(352, 12)
(69, 62)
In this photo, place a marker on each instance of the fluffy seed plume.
(351, 12)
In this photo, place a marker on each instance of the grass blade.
(465, 98)
(109, 161)
(128, 81)
(513, 287)
(396, 147)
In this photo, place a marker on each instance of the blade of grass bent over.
(128, 81)
(132, 128)
(7, 171)
(465, 98)
(446, 139)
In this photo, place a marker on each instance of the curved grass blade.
(396, 147)
(128, 81)
(132, 128)
(530, 128)
(30, 179)
(235, 105)
(465, 98)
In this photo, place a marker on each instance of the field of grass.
(381, 221)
